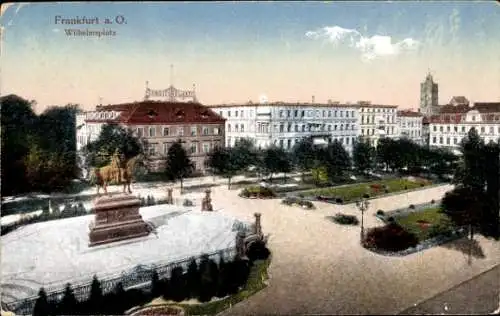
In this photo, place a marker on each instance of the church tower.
(429, 96)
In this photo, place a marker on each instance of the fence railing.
(138, 277)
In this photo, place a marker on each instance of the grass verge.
(426, 223)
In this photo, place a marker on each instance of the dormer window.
(152, 114)
(204, 114)
(180, 114)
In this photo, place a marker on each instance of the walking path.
(320, 267)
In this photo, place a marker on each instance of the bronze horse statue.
(113, 173)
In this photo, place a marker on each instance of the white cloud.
(370, 47)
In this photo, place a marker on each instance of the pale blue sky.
(236, 51)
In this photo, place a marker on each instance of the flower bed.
(158, 310)
(350, 193)
(391, 237)
(298, 201)
(343, 219)
(257, 192)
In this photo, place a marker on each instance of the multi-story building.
(377, 121)
(284, 124)
(429, 97)
(449, 128)
(410, 125)
(159, 124)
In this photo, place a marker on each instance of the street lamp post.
(362, 205)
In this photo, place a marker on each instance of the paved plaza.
(320, 267)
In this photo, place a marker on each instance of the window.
(242, 128)
(347, 141)
(335, 127)
(435, 128)
(491, 130)
(165, 131)
(152, 149)
(229, 113)
(281, 143)
(433, 140)
(289, 143)
(329, 113)
(362, 131)
(236, 113)
(282, 128)
(482, 130)
(329, 127)
(341, 127)
(347, 127)
(324, 113)
(180, 131)
(352, 113)
(140, 131)
(448, 129)
(440, 140)
(455, 128)
(473, 117)
(303, 128)
(289, 127)
(206, 147)
(152, 131)
(229, 127)
(241, 113)
(205, 130)
(296, 113)
(236, 128)
(193, 131)
(220, 113)
(447, 140)
(165, 148)
(455, 141)
(335, 114)
(288, 113)
(463, 129)
(296, 128)
(192, 148)
(341, 113)
(346, 113)
(302, 113)
(216, 131)
(281, 113)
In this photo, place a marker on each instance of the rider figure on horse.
(118, 163)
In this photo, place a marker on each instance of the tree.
(275, 159)
(472, 148)
(464, 205)
(178, 164)
(208, 279)
(224, 162)
(178, 284)
(42, 306)
(362, 156)
(96, 296)
(222, 283)
(17, 129)
(193, 279)
(112, 137)
(383, 152)
(490, 223)
(304, 155)
(69, 304)
(245, 153)
(336, 159)
(156, 288)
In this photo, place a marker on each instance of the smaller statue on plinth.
(170, 199)
(206, 203)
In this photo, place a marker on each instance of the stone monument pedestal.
(116, 218)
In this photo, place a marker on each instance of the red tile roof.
(487, 107)
(406, 113)
(160, 112)
(449, 108)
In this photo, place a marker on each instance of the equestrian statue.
(119, 171)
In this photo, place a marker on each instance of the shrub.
(391, 219)
(386, 191)
(391, 237)
(290, 200)
(412, 207)
(257, 191)
(258, 251)
(343, 219)
(366, 196)
(187, 202)
(380, 213)
(306, 204)
(406, 187)
(433, 201)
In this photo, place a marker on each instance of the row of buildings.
(201, 127)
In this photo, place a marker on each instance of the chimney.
(313, 99)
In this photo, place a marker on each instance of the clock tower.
(429, 96)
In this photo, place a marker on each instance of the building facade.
(377, 121)
(159, 124)
(449, 128)
(284, 124)
(429, 97)
(410, 126)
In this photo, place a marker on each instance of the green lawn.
(353, 192)
(439, 223)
